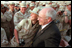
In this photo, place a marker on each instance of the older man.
(27, 32)
(49, 36)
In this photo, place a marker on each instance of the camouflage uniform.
(12, 23)
(19, 16)
(63, 27)
(25, 31)
(5, 23)
(28, 13)
(4, 41)
(68, 37)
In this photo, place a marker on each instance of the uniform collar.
(22, 13)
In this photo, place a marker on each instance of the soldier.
(37, 3)
(16, 8)
(4, 24)
(4, 41)
(49, 2)
(47, 5)
(68, 20)
(64, 27)
(32, 5)
(54, 6)
(21, 14)
(68, 11)
(27, 9)
(59, 21)
(26, 30)
(12, 12)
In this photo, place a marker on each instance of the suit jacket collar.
(42, 31)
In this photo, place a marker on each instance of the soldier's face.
(18, 8)
(23, 9)
(12, 7)
(32, 7)
(27, 6)
(69, 7)
(54, 8)
(15, 7)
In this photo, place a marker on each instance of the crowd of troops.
(17, 16)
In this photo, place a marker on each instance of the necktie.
(39, 30)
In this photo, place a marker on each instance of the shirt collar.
(45, 25)
(22, 13)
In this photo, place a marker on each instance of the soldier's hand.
(66, 19)
(63, 43)
(59, 13)
(17, 41)
(65, 13)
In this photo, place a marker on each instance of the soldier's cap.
(43, 3)
(35, 10)
(48, 5)
(40, 3)
(27, 3)
(32, 4)
(61, 8)
(49, 1)
(23, 2)
(12, 3)
(68, 2)
(16, 4)
(40, 7)
(54, 5)
(2, 2)
(23, 5)
(54, 1)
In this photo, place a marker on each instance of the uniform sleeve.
(4, 37)
(19, 25)
(3, 18)
(8, 16)
(16, 19)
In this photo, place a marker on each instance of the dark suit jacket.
(48, 37)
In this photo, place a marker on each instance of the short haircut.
(51, 13)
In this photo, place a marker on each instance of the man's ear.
(49, 19)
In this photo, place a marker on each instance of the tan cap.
(11, 3)
(32, 4)
(27, 3)
(16, 4)
(61, 8)
(22, 4)
(48, 5)
(54, 5)
(35, 10)
(49, 1)
(68, 2)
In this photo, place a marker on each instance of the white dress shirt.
(45, 25)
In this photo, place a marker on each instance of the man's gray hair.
(51, 13)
